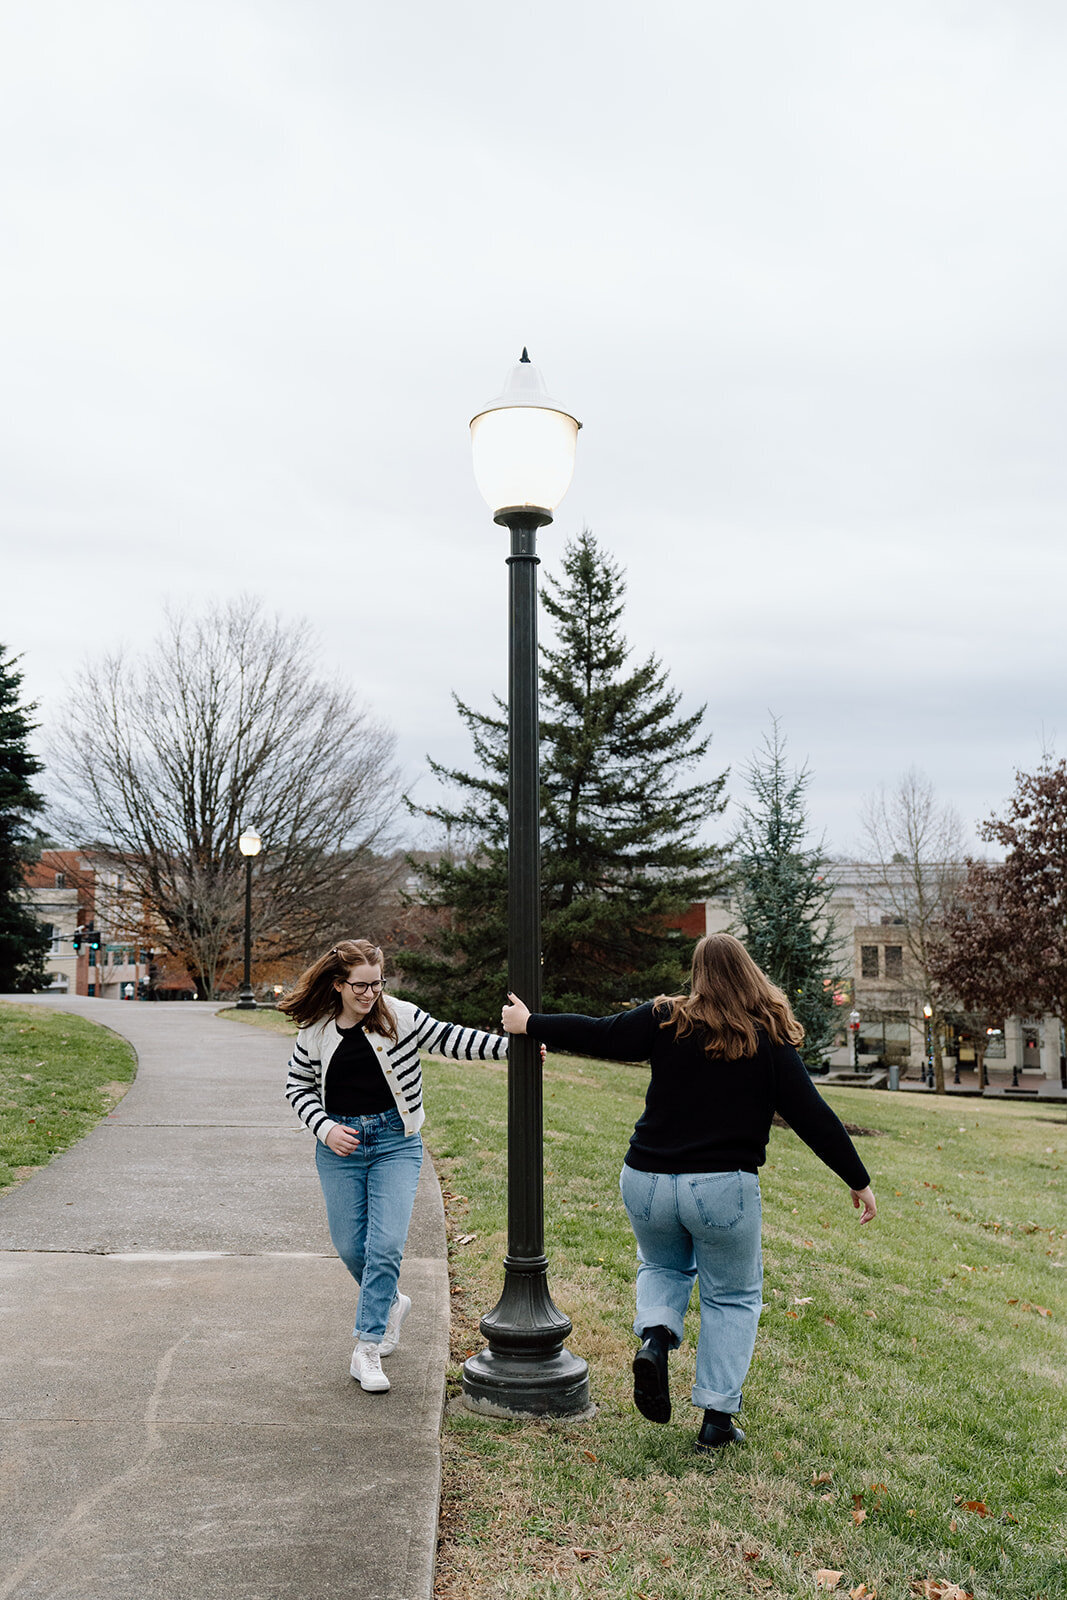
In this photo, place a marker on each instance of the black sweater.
(702, 1113)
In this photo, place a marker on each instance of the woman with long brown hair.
(723, 1060)
(355, 1081)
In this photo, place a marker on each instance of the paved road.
(176, 1415)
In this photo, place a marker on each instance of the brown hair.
(729, 999)
(314, 996)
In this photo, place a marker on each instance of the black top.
(355, 1083)
(703, 1113)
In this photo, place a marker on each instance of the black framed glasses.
(366, 988)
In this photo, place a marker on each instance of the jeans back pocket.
(719, 1197)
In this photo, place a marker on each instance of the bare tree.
(916, 846)
(225, 724)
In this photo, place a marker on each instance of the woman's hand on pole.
(864, 1198)
(515, 1016)
(341, 1140)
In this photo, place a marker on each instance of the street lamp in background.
(928, 1072)
(523, 445)
(854, 1029)
(250, 845)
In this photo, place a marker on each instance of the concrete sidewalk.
(176, 1415)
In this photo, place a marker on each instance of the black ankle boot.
(651, 1392)
(717, 1429)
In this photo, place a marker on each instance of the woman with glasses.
(356, 1083)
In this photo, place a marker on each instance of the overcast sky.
(799, 269)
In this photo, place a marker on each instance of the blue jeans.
(369, 1196)
(703, 1226)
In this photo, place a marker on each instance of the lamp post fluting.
(250, 844)
(523, 460)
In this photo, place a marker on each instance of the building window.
(61, 880)
(869, 960)
(894, 961)
(888, 1037)
(56, 948)
(92, 958)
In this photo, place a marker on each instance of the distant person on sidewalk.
(356, 1082)
(723, 1061)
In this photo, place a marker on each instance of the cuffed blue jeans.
(369, 1196)
(702, 1226)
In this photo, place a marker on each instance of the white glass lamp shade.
(524, 445)
(250, 842)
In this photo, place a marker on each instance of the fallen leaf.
(830, 1496)
(872, 1314)
(588, 1454)
(584, 1555)
(803, 1300)
(952, 1526)
(794, 1314)
(858, 1515)
(978, 1506)
(861, 1592)
(751, 1555)
(465, 1238)
(821, 1477)
(825, 1579)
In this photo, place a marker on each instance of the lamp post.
(854, 1029)
(250, 845)
(928, 1065)
(523, 447)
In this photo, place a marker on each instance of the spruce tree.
(621, 852)
(782, 889)
(23, 940)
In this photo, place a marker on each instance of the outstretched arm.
(628, 1036)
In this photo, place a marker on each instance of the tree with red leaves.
(1005, 940)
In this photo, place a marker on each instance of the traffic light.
(94, 940)
(77, 942)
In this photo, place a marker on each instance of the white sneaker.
(398, 1311)
(367, 1368)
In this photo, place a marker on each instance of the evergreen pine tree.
(620, 831)
(23, 940)
(782, 890)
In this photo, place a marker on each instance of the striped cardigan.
(310, 1060)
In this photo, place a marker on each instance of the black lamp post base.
(246, 1000)
(509, 1386)
(527, 1371)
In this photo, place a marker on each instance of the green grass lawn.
(58, 1076)
(273, 1021)
(906, 1408)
